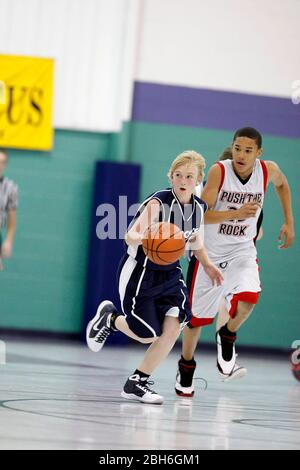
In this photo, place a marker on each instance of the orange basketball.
(163, 243)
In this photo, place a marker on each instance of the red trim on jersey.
(222, 174)
(250, 297)
(193, 281)
(201, 321)
(258, 267)
(265, 173)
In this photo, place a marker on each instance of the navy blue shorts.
(148, 296)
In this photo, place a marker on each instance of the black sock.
(141, 374)
(227, 340)
(190, 362)
(113, 318)
(225, 332)
(187, 369)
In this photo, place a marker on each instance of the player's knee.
(172, 331)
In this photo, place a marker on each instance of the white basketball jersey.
(231, 238)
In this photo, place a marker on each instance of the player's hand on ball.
(214, 274)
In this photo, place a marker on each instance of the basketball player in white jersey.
(234, 193)
(223, 315)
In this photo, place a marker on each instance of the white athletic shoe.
(183, 391)
(137, 388)
(228, 369)
(99, 328)
(184, 384)
(237, 373)
(224, 366)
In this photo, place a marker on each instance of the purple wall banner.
(214, 109)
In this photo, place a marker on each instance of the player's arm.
(275, 175)
(7, 246)
(200, 252)
(211, 188)
(149, 216)
(210, 194)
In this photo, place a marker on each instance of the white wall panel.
(93, 44)
(248, 46)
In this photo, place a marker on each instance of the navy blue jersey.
(187, 217)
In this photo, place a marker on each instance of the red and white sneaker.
(226, 358)
(237, 372)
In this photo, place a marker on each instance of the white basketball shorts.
(241, 282)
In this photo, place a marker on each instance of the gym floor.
(59, 395)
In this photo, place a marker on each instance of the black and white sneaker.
(237, 373)
(137, 388)
(184, 385)
(99, 328)
(226, 357)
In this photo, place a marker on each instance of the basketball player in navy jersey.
(154, 298)
(234, 193)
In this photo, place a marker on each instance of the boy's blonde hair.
(188, 157)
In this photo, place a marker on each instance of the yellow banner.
(26, 93)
